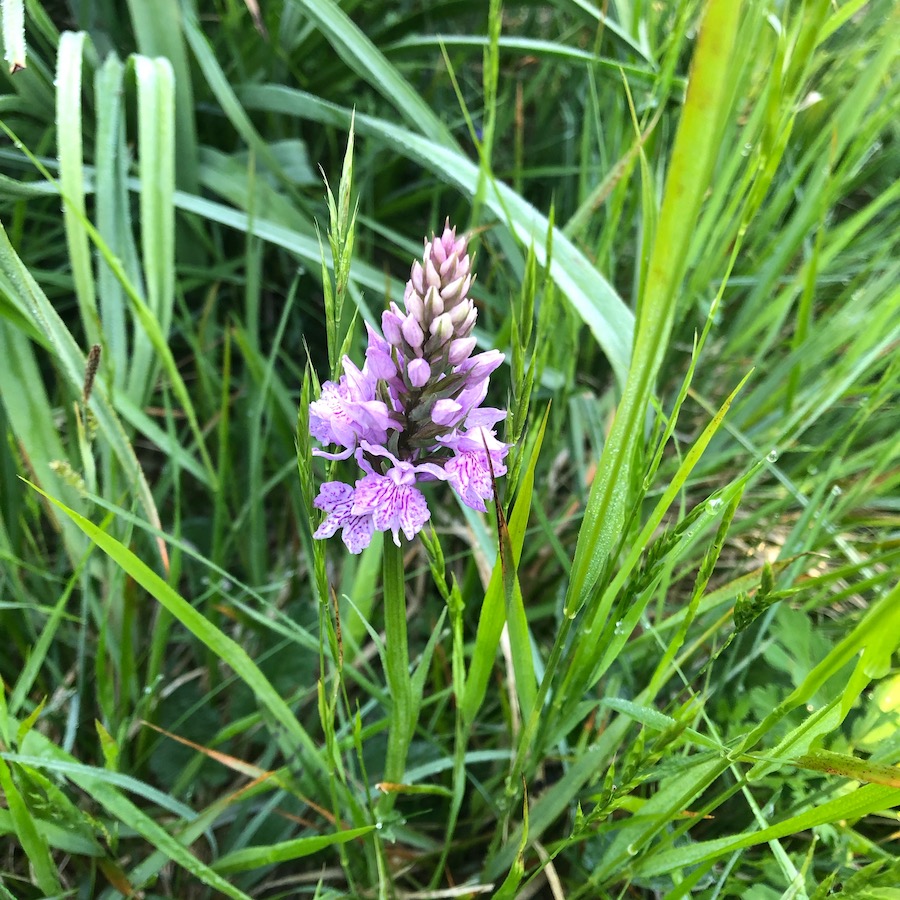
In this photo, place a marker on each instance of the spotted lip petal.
(469, 471)
(336, 498)
(390, 505)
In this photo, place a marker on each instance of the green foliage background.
(673, 672)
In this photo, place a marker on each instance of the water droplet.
(772, 455)
(619, 627)
(714, 503)
(836, 490)
(571, 615)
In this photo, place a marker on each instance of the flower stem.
(396, 664)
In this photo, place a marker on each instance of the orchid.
(413, 412)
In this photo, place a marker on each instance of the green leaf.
(33, 843)
(269, 854)
(696, 144)
(224, 648)
(98, 787)
(71, 177)
(71, 361)
(493, 609)
(403, 712)
(849, 807)
(850, 767)
(157, 34)
(14, 33)
(156, 147)
(364, 58)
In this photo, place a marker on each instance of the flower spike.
(413, 412)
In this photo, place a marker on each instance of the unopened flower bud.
(465, 327)
(449, 266)
(460, 312)
(454, 292)
(432, 276)
(445, 411)
(417, 277)
(391, 321)
(482, 365)
(434, 305)
(437, 250)
(460, 350)
(442, 328)
(412, 333)
(414, 304)
(419, 372)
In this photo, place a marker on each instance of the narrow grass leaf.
(13, 12)
(696, 143)
(493, 609)
(97, 787)
(32, 842)
(364, 58)
(539, 48)
(72, 363)
(849, 807)
(47, 756)
(509, 888)
(157, 33)
(112, 211)
(223, 647)
(589, 656)
(26, 404)
(156, 149)
(850, 767)
(71, 176)
(269, 854)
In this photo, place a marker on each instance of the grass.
(669, 668)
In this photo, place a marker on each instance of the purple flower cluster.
(412, 413)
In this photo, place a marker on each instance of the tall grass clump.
(642, 642)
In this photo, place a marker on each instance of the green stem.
(396, 669)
